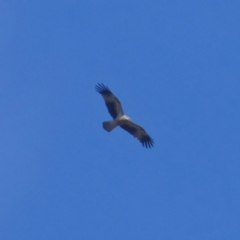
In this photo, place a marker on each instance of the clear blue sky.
(175, 66)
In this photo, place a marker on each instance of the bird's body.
(120, 119)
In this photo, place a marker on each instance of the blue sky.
(175, 67)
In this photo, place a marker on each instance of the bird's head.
(124, 117)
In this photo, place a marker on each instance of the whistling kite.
(120, 119)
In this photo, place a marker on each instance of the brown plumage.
(120, 119)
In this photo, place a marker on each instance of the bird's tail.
(109, 125)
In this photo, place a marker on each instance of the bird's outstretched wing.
(113, 104)
(138, 132)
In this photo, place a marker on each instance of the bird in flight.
(120, 119)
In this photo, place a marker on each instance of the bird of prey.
(120, 119)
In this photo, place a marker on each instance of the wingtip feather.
(101, 88)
